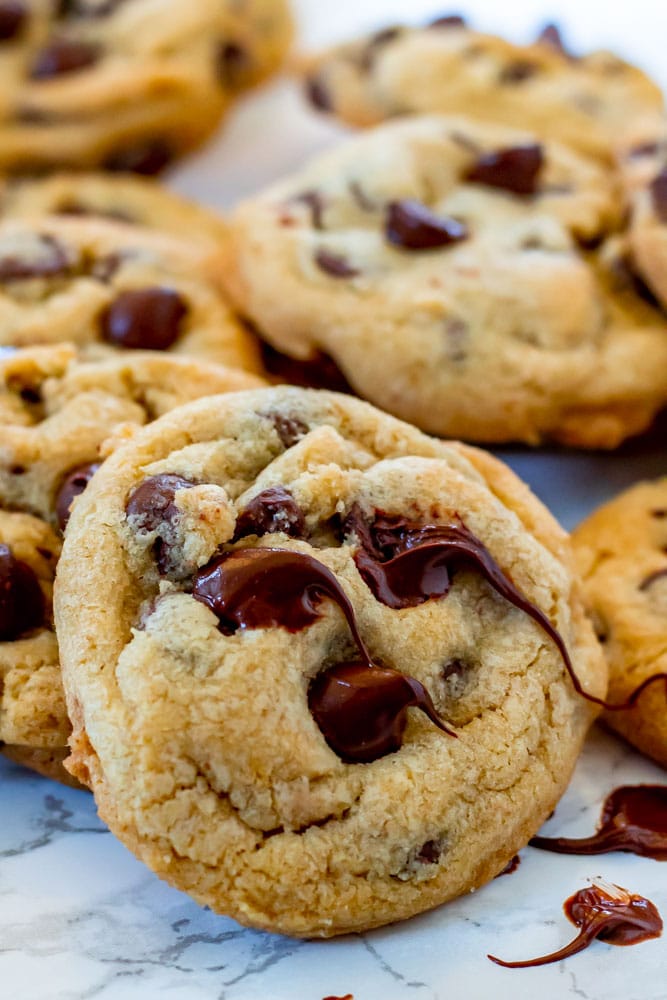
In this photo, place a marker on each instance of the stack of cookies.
(321, 670)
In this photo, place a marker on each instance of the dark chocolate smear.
(21, 598)
(144, 319)
(634, 819)
(13, 16)
(659, 194)
(361, 708)
(62, 56)
(151, 506)
(73, 486)
(274, 509)
(334, 264)
(606, 912)
(514, 169)
(412, 226)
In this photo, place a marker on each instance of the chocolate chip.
(45, 258)
(362, 711)
(335, 264)
(144, 319)
(659, 194)
(104, 268)
(454, 668)
(151, 507)
(317, 372)
(385, 36)
(651, 579)
(73, 486)
(550, 35)
(518, 71)
(361, 198)
(412, 226)
(447, 21)
(318, 94)
(314, 200)
(63, 55)
(146, 157)
(31, 395)
(272, 510)
(21, 598)
(13, 16)
(91, 9)
(232, 65)
(644, 149)
(289, 429)
(430, 852)
(514, 169)
(659, 512)
(78, 209)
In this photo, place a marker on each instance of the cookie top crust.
(106, 285)
(585, 102)
(460, 275)
(621, 551)
(134, 201)
(247, 550)
(59, 418)
(126, 84)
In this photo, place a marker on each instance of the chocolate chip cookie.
(135, 201)
(55, 414)
(622, 554)
(586, 102)
(336, 659)
(450, 270)
(126, 84)
(106, 285)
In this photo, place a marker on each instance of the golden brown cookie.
(621, 551)
(252, 593)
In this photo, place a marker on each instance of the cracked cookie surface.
(236, 700)
(105, 285)
(126, 84)
(585, 102)
(621, 551)
(450, 270)
(55, 415)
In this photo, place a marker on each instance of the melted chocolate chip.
(511, 866)
(73, 486)
(651, 579)
(362, 710)
(147, 157)
(634, 819)
(13, 16)
(360, 707)
(232, 65)
(514, 169)
(644, 149)
(318, 372)
(21, 598)
(447, 21)
(335, 264)
(318, 94)
(430, 852)
(151, 506)
(659, 194)
(272, 510)
(62, 56)
(50, 260)
(144, 319)
(289, 429)
(412, 226)
(518, 71)
(606, 912)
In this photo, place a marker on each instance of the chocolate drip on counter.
(405, 564)
(511, 866)
(606, 912)
(634, 819)
(361, 708)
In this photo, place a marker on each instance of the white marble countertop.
(80, 918)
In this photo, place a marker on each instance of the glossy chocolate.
(634, 819)
(515, 169)
(21, 598)
(151, 504)
(73, 486)
(606, 912)
(62, 56)
(511, 866)
(274, 509)
(335, 264)
(360, 708)
(144, 319)
(410, 225)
